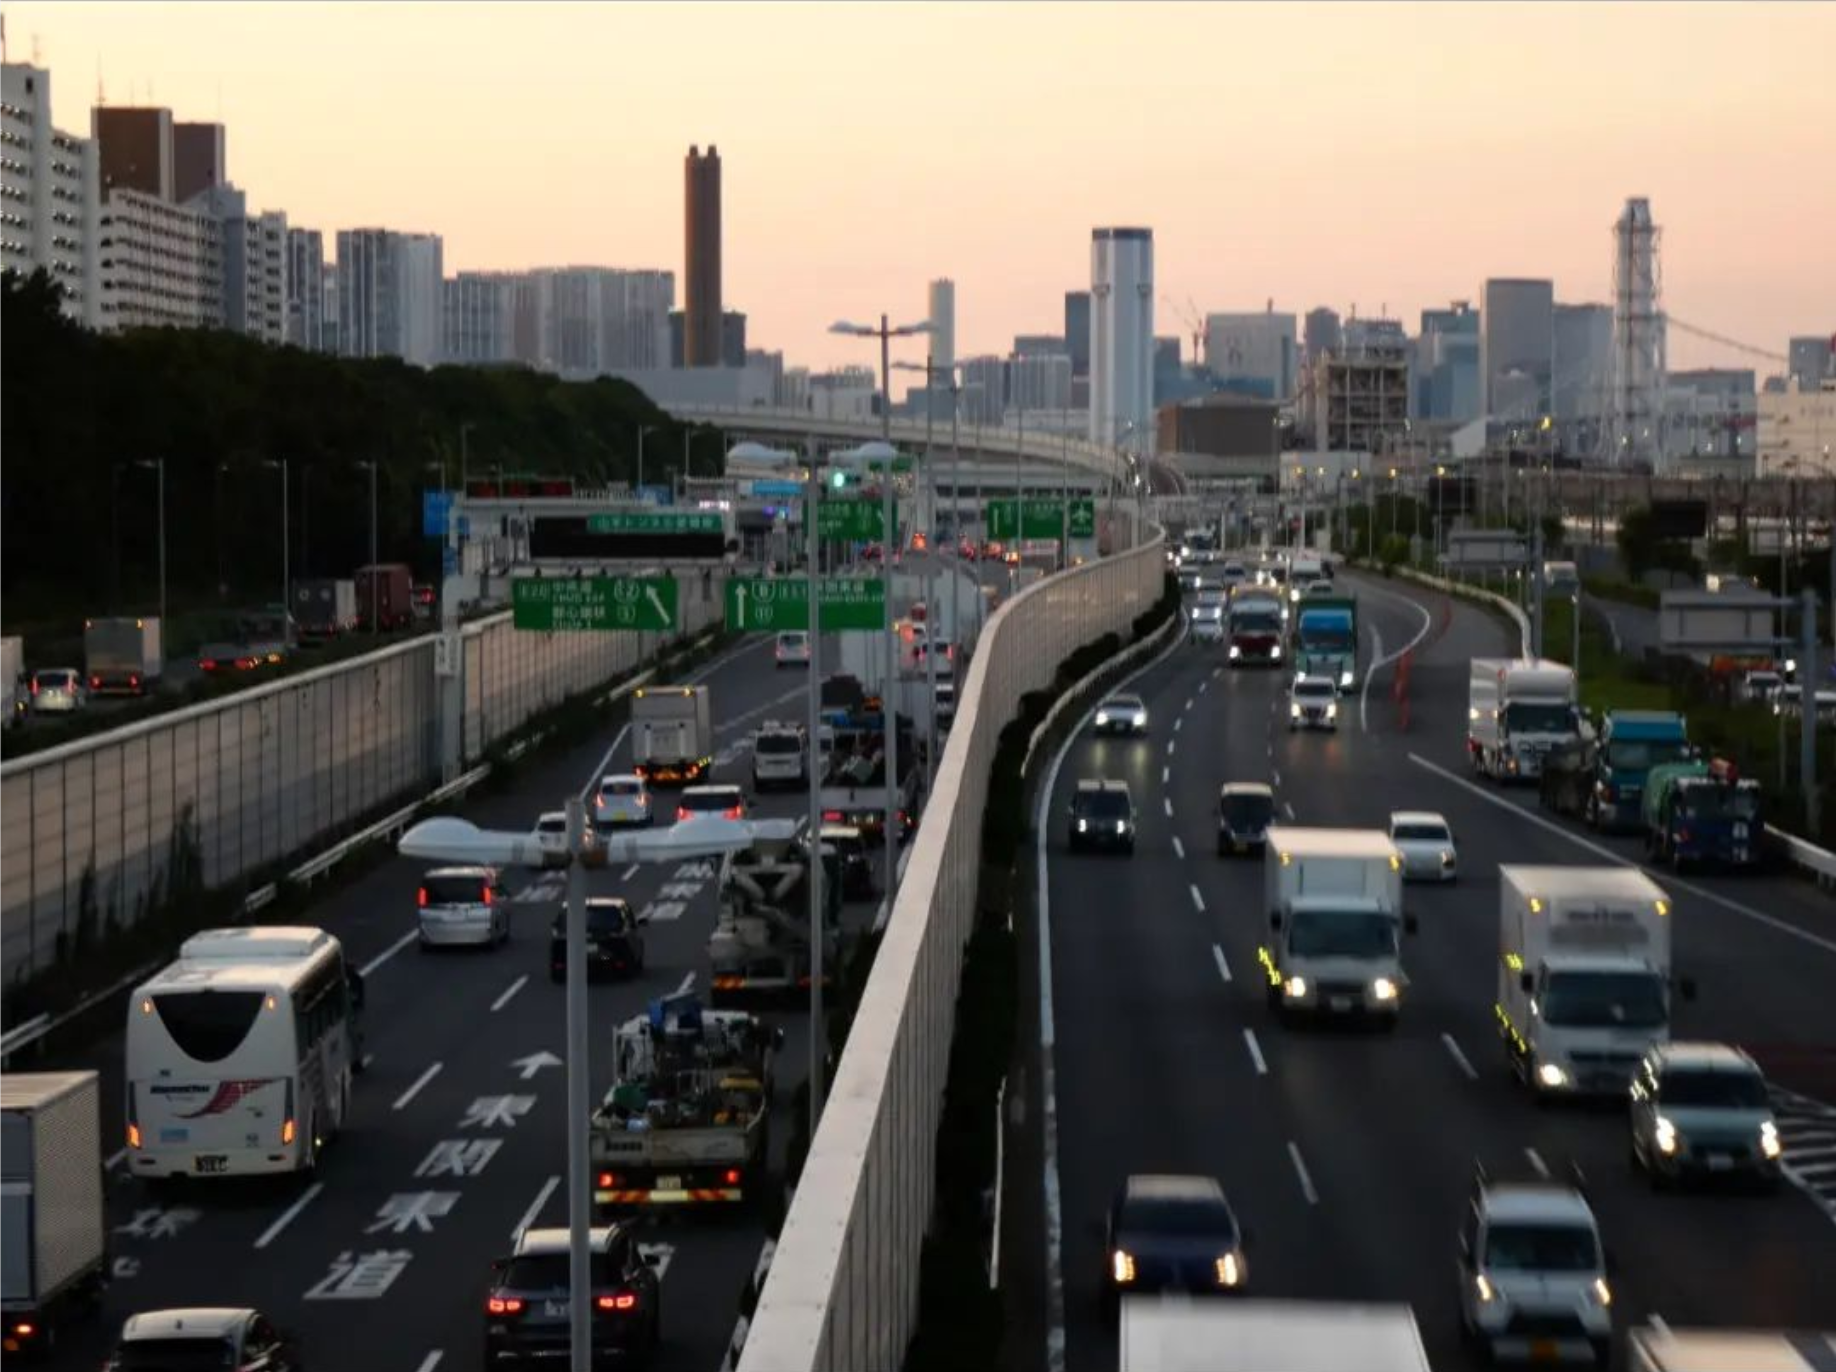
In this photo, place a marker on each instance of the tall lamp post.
(158, 464)
(286, 526)
(643, 429)
(369, 465)
(930, 580)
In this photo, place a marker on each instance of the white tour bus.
(240, 1054)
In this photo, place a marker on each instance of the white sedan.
(551, 838)
(1426, 843)
(623, 799)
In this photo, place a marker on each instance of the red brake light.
(682, 812)
(608, 1179)
(95, 683)
(420, 897)
(34, 685)
(504, 1305)
(831, 816)
(735, 812)
(487, 895)
(624, 1300)
(733, 1176)
(209, 664)
(133, 681)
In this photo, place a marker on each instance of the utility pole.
(819, 1037)
(1807, 709)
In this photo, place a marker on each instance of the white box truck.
(1583, 974)
(1652, 1349)
(672, 734)
(1517, 713)
(52, 1260)
(123, 655)
(1335, 908)
(1187, 1334)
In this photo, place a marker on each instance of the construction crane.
(1194, 321)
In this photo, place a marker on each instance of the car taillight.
(34, 685)
(133, 1136)
(208, 664)
(683, 812)
(732, 1176)
(735, 812)
(487, 896)
(504, 1305)
(608, 1179)
(831, 816)
(134, 681)
(287, 1132)
(95, 683)
(623, 1300)
(420, 897)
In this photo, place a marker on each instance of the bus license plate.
(208, 1163)
(669, 1183)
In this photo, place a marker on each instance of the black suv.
(526, 1307)
(613, 943)
(1102, 816)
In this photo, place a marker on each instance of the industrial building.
(1360, 394)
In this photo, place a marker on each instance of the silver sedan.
(1426, 842)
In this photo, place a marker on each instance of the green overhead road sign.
(852, 521)
(1043, 519)
(765, 605)
(659, 522)
(594, 602)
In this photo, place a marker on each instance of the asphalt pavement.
(1349, 1154)
(457, 1136)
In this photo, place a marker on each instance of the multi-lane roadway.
(1349, 1155)
(457, 1136)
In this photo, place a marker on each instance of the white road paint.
(402, 1100)
(1178, 724)
(630, 871)
(1300, 1170)
(1188, 704)
(1217, 956)
(114, 1160)
(1666, 879)
(431, 1361)
(1287, 808)
(1179, 849)
(509, 993)
(1276, 776)
(1536, 1162)
(1204, 685)
(289, 1215)
(1166, 775)
(1169, 806)
(1656, 1321)
(1198, 901)
(688, 980)
(388, 952)
(1255, 1052)
(1169, 747)
(368, 1058)
(1453, 1048)
(1379, 660)
(535, 1208)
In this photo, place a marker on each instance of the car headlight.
(1345, 678)
(1447, 858)
(1122, 1267)
(1295, 988)
(1275, 653)
(1141, 719)
(1230, 1271)
(1665, 1135)
(1551, 1075)
(1102, 719)
(1769, 1139)
(1332, 711)
(1383, 989)
(1121, 826)
(1483, 1285)
(1083, 826)
(1235, 652)
(1294, 710)
(1602, 1293)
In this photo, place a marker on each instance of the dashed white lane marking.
(1169, 747)
(1277, 777)
(291, 1213)
(368, 1058)
(1287, 808)
(1537, 1164)
(1255, 1052)
(1198, 901)
(1169, 807)
(1179, 849)
(509, 993)
(1459, 1057)
(388, 953)
(1188, 704)
(431, 1361)
(1166, 775)
(630, 871)
(114, 1160)
(1204, 685)
(1607, 854)
(535, 1207)
(415, 1090)
(1217, 956)
(1300, 1170)
(688, 981)
(1217, 671)
(1179, 724)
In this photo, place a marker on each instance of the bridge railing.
(842, 1294)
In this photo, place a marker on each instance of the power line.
(1726, 342)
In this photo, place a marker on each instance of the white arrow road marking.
(534, 1063)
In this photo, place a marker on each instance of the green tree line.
(80, 409)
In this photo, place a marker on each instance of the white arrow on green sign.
(614, 603)
(766, 605)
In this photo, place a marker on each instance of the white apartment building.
(1257, 351)
(1797, 430)
(391, 295)
(1122, 338)
(306, 290)
(160, 264)
(254, 263)
(50, 198)
(584, 322)
(477, 308)
(845, 393)
(1040, 381)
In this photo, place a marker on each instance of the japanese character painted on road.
(489, 1111)
(458, 1157)
(416, 1210)
(360, 1278)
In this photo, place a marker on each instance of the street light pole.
(286, 525)
(158, 464)
(464, 456)
(579, 1106)
(818, 925)
(642, 430)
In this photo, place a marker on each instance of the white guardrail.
(1819, 863)
(842, 1292)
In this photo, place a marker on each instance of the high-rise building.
(732, 338)
(580, 322)
(306, 289)
(135, 143)
(1797, 429)
(701, 298)
(1810, 360)
(1039, 345)
(1077, 333)
(771, 364)
(1712, 417)
(792, 391)
(1517, 346)
(845, 393)
(1321, 332)
(50, 185)
(391, 295)
(1446, 378)
(941, 311)
(1040, 381)
(1360, 391)
(330, 334)
(984, 394)
(1582, 358)
(1122, 337)
(476, 313)
(1166, 368)
(199, 160)
(1253, 353)
(161, 264)
(253, 261)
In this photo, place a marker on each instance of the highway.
(457, 1136)
(1349, 1154)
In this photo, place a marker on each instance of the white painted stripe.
(1276, 776)
(1204, 685)
(1177, 725)
(630, 871)
(1287, 808)
(1166, 775)
(1537, 1164)
(1667, 879)
(1459, 1057)
(1198, 901)
(1300, 1170)
(368, 1058)
(1188, 704)
(535, 1208)
(388, 952)
(1255, 1052)
(288, 1215)
(1656, 1321)
(1378, 660)
(509, 993)
(688, 980)
(1217, 956)
(1169, 747)
(1217, 671)
(605, 765)
(114, 1160)
(1169, 807)
(431, 1361)
(415, 1090)
(1179, 849)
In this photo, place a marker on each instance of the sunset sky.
(1377, 155)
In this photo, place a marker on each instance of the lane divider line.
(1169, 806)
(114, 1160)
(1277, 776)
(1166, 775)
(1198, 901)
(1204, 685)
(1255, 1052)
(1179, 849)
(1459, 1057)
(688, 980)
(1217, 956)
(289, 1215)
(514, 987)
(388, 952)
(402, 1100)
(1169, 747)
(1188, 704)
(1370, 672)
(431, 1361)
(1300, 1170)
(630, 871)
(1537, 1164)
(1287, 808)
(535, 1208)
(1179, 723)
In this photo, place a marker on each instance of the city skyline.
(996, 183)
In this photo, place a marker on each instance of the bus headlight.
(1383, 989)
(1296, 988)
(1769, 1140)
(1665, 1136)
(1552, 1076)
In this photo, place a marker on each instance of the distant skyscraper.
(984, 397)
(1253, 352)
(1810, 360)
(1166, 368)
(1322, 331)
(1583, 362)
(476, 309)
(732, 338)
(135, 144)
(52, 187)
(198, 159)
(163, 267)
(701, 299)
(1077, 332)
(1446, 377)
(306, 289)
(1122, 337)
(1041, 381)
(1040, 345)
(1517, 346)
(391, 295)
(1639, 361)
(942, 314)
(253, 261)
